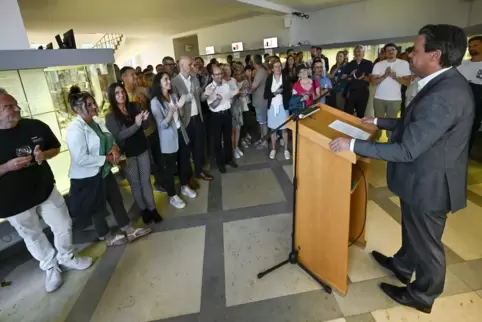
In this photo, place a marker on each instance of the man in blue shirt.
(323, 81)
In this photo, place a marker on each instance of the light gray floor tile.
(367, 317)
(253, 156)
(253, 245)
(289, 171)
(199, 205)
(27, 300)
(470, 272)
(454, 285)
(159, 276)
(365, 297)
(463, 307)
(307, 307)
(250, 188)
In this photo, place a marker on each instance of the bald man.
(27, 190)
(187, 85)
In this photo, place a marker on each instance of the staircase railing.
(109, 41)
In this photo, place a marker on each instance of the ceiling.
(313, 5)
(141, 18)
(132, 18)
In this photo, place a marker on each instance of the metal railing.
(109, 41)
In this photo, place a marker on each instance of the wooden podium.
(330, 198)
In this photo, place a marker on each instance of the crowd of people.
(161, 120)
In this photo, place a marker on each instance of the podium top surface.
(318, 129)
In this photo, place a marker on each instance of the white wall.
(250, 31)
(12, 32)
(379, 19)
(143, 52)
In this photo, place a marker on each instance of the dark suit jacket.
(286, 90)
(428, 152)
(179, 88)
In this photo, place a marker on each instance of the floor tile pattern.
(201, 263)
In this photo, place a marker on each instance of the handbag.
(296, 104)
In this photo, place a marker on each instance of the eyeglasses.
(4, 108)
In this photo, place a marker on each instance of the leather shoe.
(222, 169)
(205, 176)
(387, 262)
(401, 296)
(232, 164)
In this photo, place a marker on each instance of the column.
(13, 34)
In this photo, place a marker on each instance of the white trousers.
(54, 212)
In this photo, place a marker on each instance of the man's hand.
(368, 120)
(38, 154)
(17, 163)
(210, 90)
(340, 144)
(393, 74)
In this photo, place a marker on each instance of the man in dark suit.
(185, 84)
(427, 163)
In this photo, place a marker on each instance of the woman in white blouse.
(278, 93)
(92, 184)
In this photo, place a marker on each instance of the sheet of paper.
(349, 130)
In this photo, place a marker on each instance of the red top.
(301, 91)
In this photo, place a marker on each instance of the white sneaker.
(272, 154)
(236, 154)
(177, 202)
(262, 145)
(188, 192)
(287, 155)
(282, 142)
(77, 263)
(239, 151)
(245, 144)
(53, 279)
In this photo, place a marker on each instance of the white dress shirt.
(421, 84)
(188, 84)
(226, 92)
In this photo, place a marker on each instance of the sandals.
(133, 233)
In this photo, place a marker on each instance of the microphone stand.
(293, 255)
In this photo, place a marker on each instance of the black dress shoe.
(222, 169)
(155, 216)
(401, 296)
(147, 216)
(232, 164)
(387, 262)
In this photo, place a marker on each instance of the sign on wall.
(270, 42)
(210, 50)
(237, 46)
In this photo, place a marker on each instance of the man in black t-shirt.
(357, 90)
(27, 190)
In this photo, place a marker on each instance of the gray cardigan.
(167, 130)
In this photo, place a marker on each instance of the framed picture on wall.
(237, 46)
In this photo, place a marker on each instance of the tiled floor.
(201, 263)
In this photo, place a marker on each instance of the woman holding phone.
(126, 122)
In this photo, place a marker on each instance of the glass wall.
(42, 94)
